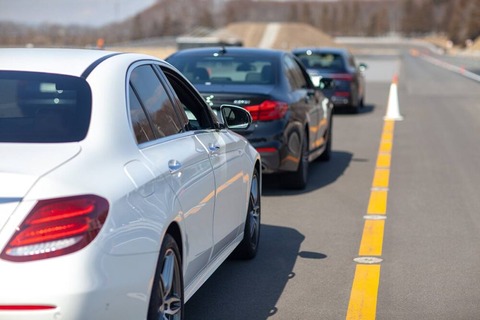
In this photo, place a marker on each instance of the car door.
(358, 76)
(319, 103)
(308, 100)
(227, 155)
(178, 157)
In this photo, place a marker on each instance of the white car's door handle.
(212, 147)
(174, 165)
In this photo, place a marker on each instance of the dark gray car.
(338, 64)
(292, 119)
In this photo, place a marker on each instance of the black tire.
(298, 179)
(356, 103)
(248, 248)
(167, 299)
(362, 102)
(326, 155)
(354, 109)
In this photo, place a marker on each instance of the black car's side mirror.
(235, 118)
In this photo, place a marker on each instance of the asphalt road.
(430, 266)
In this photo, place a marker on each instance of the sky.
(92, 13)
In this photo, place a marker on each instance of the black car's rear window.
(326, 61)
(43, 108)
(225, 69)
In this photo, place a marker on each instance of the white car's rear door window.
(43, 108)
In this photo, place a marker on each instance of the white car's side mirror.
(235, 117)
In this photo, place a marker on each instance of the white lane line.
(451, 67)
(269, 36)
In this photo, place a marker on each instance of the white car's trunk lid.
(21, 165)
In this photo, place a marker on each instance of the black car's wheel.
(354, 108)
(299, 178)
(362, 103)
(355, 103)
(166, 301)
(247, 249)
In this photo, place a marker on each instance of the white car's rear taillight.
(56, 227)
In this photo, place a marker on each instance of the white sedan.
(121, 191)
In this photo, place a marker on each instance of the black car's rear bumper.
(278, 143)
(341, 101)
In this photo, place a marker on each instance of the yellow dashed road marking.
(378, 202)
(381, 178)
(383, 160)
(372, 238)
(363, 297)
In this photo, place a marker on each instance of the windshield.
(45, 108)
(225, 70)
(325, 61)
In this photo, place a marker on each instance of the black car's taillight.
(342, 76)
(268, 110)
(343, 82)
(56, 227)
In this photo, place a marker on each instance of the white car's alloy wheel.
(166, 302)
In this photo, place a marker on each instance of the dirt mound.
(439, 41)
(287, 36)
(476, 45)
(294, 35)
(159, 52)
(444, 43)
(250, 33)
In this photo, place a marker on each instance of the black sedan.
(292, 119)
(338, 64)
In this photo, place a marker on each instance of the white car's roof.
(62, 61)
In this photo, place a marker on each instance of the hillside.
(475, 45)
(292, 35)
(286, 37)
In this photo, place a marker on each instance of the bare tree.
(459, 19)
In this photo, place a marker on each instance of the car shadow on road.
(367, 108)
(321, 174)
(250, 289)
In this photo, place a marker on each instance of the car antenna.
(223, 50)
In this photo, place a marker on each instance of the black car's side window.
(294, 74)
(351, 62)
(289, 75)
(154, 100)
(191, 104)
